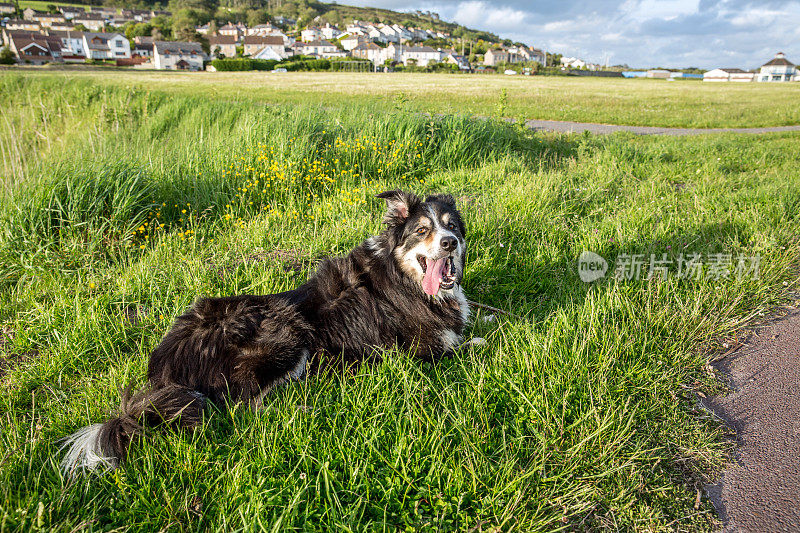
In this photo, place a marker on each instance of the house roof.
(71, 34)
(99, 41)
(366, 46)
(263, 40)
(778, 61)
(731, 70)
(222, 39)
(316, 43)
(90, 16)
(23, 40)
(419, 49)
(176, 47)
(229, 26)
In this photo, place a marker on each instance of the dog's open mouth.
(439, 274)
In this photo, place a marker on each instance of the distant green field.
(42, 5)
(612, 101)
(121, 205)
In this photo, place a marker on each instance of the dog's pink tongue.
(433, 276)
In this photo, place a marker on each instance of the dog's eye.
(451, 225)
(421, 231)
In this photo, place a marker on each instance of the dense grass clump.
(121, 206)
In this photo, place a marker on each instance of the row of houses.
(379, 43)
(95, 19)
(777, 69)
(74, 46)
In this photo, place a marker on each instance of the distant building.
(350, 41)
(316, 48)
(453, 58)
(330, 32)
(311, 34)
(778, 69)
(368, 50)
(658, 74)
(168, 55)
(231, 30)
(515, 54)
(222, 45)
(106, 46)
(255, 44)
(91, 21)
(72, 47)
(34, 48)
(728, 74)
(142, 47)
(71, 12)
(418, 55)
(7, 9)
(22, 25)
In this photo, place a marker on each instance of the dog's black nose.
(448, 243)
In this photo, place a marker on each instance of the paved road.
(760, 489)
(580, 127)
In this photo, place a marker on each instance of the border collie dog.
(402, 287)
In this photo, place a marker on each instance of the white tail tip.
(84, 452)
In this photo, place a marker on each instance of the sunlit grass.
(128, 205)
(639, 102)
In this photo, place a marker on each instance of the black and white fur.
(237, 348)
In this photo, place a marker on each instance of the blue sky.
(641, 33)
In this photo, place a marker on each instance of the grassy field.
(637, 102)
(122, 206)
(42, 5)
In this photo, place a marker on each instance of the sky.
(640, 33)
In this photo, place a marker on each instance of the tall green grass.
(577, 415)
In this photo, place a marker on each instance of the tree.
(256, 17)
(6, 56)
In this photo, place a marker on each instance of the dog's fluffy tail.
(104, 446)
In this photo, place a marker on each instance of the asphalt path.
(580, 127)
(759, 490)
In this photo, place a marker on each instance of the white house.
(311, 34)
(330, 32)
(418, 55)
(350, 41)
(452, 57)
(389, 33)
(317, 48)
(269, 53)
(574, 62)
(71, 43)
(728, 74)
(106, 46)
(169, 55)
(231, 30)
(778, 69)
(91, 21)
(368, 50)
(254, 46)
(269, 30)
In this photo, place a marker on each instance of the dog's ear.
(445, 199)
(398, 205)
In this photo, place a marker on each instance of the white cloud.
(641, 33)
